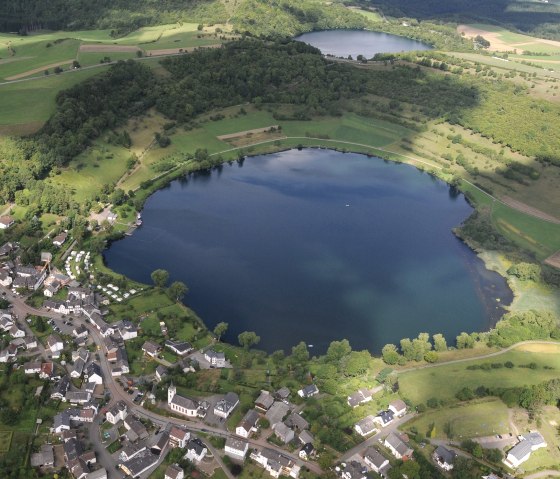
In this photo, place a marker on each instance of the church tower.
(171, 391)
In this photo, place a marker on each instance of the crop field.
(423, 384)
(503, 40)
(21, 57)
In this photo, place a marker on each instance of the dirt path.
(38, 70)
(108, 48)
(129, 173)
(231, 136)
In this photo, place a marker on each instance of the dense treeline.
(294, 73)
(539, 18)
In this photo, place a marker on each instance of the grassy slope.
(445, 381)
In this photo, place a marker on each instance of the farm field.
(504, 40)
(422, 384)
(21, 57)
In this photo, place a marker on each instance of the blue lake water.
(342, 43)
(317, 245)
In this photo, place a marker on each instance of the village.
(108, 427)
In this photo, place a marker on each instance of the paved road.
(543, 475)
(103, 457)
(375, 438)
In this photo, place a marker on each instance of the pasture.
(476, 419)
(446, 380)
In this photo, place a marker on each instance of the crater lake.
(317, 245)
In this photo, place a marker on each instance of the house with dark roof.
(354, 470)
(224, 407)
(180, 348)
(376, 461)
(161, 444)
(151, 349)
(308, 391)
(248, 424)
(444, 457)
(384, 418)
(117, 412)
(295, 421)
(135, 429)
(139, 464)
(264, 401)
(307, 451)
(196, 450)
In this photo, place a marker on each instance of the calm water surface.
(342, 43)
(317, 245)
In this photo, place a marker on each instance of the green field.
(475, 419)
(5, 440)
(32, 102)
(20, 55)
(446, 380)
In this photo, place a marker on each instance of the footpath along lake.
(317, 245)
(342, 43)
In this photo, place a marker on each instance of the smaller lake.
(342, 43)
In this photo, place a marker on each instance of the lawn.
(475, 419)
(446, 380)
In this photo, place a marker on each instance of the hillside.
(285, 18)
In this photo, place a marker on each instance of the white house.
(398, 407)
(375, 460)
(16, 332)
(361, 396)
(397, 446)
(178, 437)
(6, 222)
(444, 458)
(196, 450)
(180, 404)
(32, 368)
(276, 464)
(236, 448)
(522, 450)
(216, 359)
(308, 391)
(366, 426)
(54, 343)
(117, 413)
(225, 406)
(248, 424)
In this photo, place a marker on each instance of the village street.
(21, 309)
